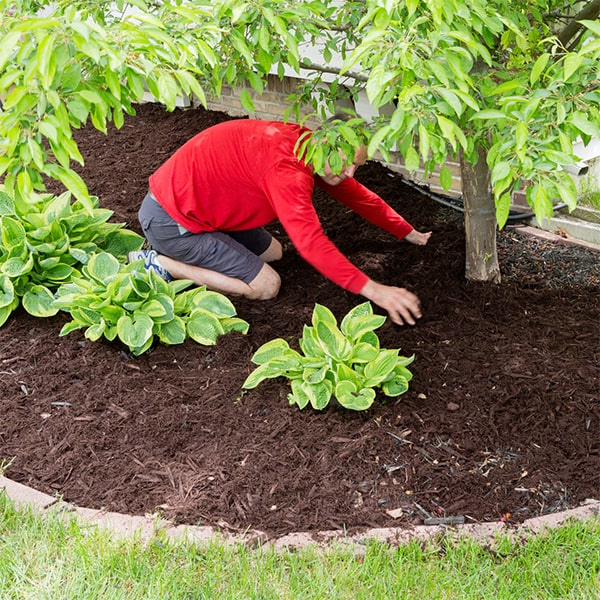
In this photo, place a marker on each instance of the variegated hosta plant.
(344, 362)
(136, 306)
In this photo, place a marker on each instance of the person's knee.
(273, 252)
(265, 286)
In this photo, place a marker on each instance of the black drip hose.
(457, 203)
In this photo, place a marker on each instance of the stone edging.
(145, 528)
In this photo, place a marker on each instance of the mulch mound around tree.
(501, 421)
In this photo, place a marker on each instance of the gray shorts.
(235, 253)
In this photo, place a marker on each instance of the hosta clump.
(344, 362)
(44, 243)
(128, 303)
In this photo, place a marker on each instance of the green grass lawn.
(49, 557)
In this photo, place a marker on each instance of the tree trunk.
(480, 222)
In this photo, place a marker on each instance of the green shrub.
(128, 303)
(346, 362)
(44, 244)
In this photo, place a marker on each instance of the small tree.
(504, 86)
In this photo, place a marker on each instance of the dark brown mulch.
(502, 419)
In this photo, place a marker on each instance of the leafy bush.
(134, 305)
(44, 243)
(344, 362)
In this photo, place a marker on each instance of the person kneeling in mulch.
(207, 205)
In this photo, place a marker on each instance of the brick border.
(145, 528)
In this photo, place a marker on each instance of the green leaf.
(103, 266)
(159, 309)
(314, 375)
(13, 232)
(135, 331)
(172, 332)
(214, 302)
(354, 400)
(38, 301)
(7, 204)
(267, 352)
(333, 341)
(203, 327)
(7, 291)
(309, 344)
(298, 395)
(538, 67)
(446, 178)
(571, 64)
(15, 267)
(261, 373)
(411, 159)
(234, 324)
(396, 386)
(358, 325)
(321, 314)
(318, 394)
(380, 367)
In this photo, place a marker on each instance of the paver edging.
(148, 527)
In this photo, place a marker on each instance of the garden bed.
(501, 420)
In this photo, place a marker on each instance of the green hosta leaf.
(234, 324)
(7, 204)
(363, 353)
(321, 314)
(120, 242)
(135, 331)
(141, 285)
(173, 332)
(298, 395)
(58, 273)
(215, 303)
(95, 332)
(70, 327)
(6, 311)
(309, 344)
(160, 309)
(395, 386)
(112, 313)
(13, 232)
(358, 326)
(319, 393)
(270, 350)
(15, 267)
(404, 361)
(7, 291)
(359, 310)
(314, 375)
(203, 327)
(103, 266)
(38, 301)
(79, 255)
(345, 373)
(350, 398)
(333, 341)
(369, 338)
(262, 372)
(380, 367)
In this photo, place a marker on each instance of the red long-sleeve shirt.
(243, 174)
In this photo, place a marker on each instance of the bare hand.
(418, 238)
(402, 306)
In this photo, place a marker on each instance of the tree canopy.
(515, 82)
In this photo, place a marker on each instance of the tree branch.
(335, 71)
(591, 11)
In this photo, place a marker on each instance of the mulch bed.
(502, 419)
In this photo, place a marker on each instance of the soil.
(501, 421)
